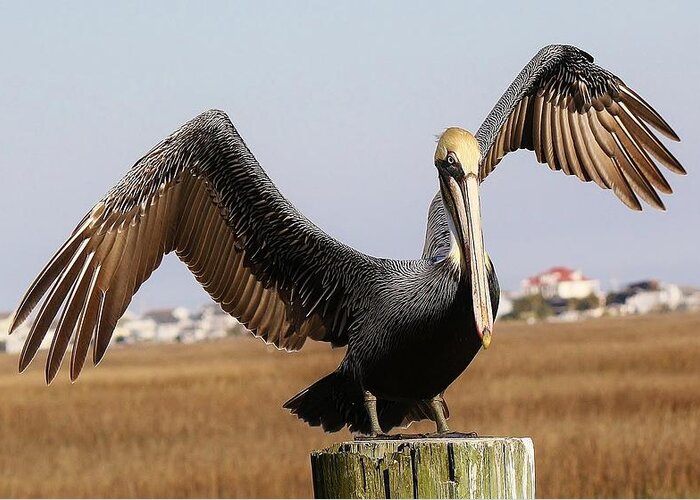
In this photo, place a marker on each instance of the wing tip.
(631, 201)
(15, 322)
(25, 361)
(668, 132)
(680, 170)
(53, 366)
(74, 374)
(98, 354)
(660, 206)
(647, 112)
(29, 350)
(49, 377)
(673, 135)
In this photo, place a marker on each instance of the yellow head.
(462, 145)
(457, 161)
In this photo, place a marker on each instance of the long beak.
(464, 194)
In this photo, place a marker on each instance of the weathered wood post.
(488, 467)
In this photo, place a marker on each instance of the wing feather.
(48, 275)
(536, 121)
(585, 121)
(642, 158)
(547, 138)
(572, 158)
(594, 153)
(89, 316)
(50, 308)
(517, 137)
(558, 139)
(202, 194)
(581, 152)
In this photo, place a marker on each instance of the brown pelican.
(410, 327)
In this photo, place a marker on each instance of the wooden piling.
(488, 467)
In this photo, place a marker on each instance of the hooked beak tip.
(486, 338)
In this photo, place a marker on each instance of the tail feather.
(325, 403)
(335, 401)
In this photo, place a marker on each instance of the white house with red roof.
(561, 282)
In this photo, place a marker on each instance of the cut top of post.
(488, 467)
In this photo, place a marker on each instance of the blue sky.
(341, 103)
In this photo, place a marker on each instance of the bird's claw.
(402, 437)
(452, 435)
(371, 437)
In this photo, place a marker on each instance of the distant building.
(176, 325)
(643, 297)
(691, 298)
(505, 305)
(215, 323)
(561, 283)
(132, 328)
(5, 318)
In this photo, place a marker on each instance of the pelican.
(411, 327)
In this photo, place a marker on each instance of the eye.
(451, 160)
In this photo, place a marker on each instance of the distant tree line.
(535, 306)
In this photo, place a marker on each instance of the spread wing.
(582, 119)
(201, 193)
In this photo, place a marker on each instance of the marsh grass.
(613, 407)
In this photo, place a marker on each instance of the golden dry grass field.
(613, 407)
